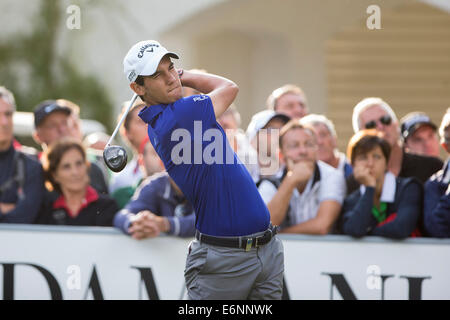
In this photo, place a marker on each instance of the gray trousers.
(220, 273)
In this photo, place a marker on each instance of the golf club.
(115, 157)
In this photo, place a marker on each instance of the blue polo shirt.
(198, 157)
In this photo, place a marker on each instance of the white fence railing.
(52, 262)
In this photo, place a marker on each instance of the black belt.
(238, 242)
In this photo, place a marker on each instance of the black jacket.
(25, 189)
(357, 219)
(99, 211)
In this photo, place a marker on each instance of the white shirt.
(304, 206)
(446, 168)
(342, 161)
(129, 176)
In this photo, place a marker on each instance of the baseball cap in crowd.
(43, 109)
(143, 59)
(261, 119)
(413, 121)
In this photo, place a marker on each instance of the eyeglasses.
(386, 120)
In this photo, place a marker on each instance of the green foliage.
(33, 71)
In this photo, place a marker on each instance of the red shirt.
(90, 196)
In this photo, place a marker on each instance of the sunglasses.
(386, 120)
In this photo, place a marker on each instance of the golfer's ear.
(140, 90)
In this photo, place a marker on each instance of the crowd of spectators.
(391, 181)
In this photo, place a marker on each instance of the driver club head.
(115, 158)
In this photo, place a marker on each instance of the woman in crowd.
(71, 200)
(383, 205)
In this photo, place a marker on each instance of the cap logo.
(142, 50)
(49, 108)
(132, 75)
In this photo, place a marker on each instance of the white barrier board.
(44, 262)
(339, 267)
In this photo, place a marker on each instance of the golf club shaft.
(122, 119)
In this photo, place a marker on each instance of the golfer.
(236, 254)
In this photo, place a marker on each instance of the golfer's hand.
(143, 226)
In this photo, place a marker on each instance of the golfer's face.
(164, 86)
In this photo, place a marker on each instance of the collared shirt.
(205, 167)
(326, 183)
(96, 210)
(404, 206)
(90, 196)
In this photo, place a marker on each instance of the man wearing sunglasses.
(374, 113)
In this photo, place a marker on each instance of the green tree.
(33, 71)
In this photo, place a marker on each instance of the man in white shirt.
(308, 197)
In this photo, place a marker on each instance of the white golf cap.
(261, 119)
(143, 59)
